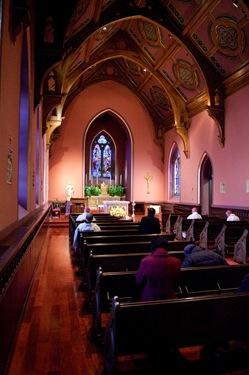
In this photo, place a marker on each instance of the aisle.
(53, 336)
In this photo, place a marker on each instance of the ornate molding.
(217, 115)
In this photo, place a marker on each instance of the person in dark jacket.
(159, 272)
(197, 257)
(150, 224)
(244, 286)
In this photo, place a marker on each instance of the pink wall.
(66, 163)
(9, 114)
(230, 163)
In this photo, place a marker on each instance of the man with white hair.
(82, 217)
(231, 216)
(88, 225)
(195, 214)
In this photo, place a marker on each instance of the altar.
(108, 204)
(95, 201)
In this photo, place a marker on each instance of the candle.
(116, 179)
(110, 179)
(120, 179)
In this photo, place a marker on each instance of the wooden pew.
(171, 222)
(195, 229)
(83, 235)
(194, 282)
(197, 281)
(208, 235)
(121, 263)
(99, 218)
(114, 248)
(191, 229)
(136, 237)
(156, 327)
(115, 263)
(125, 247)
(181, 226)
(233, 240)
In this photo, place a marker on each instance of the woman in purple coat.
(159, 272)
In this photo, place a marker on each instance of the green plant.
(87, 191)
(92, 191)
(112, 190)
(95, 190)
(120, 191)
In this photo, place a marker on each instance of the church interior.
(118, 105)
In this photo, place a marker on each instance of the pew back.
(234, 241)
(113, 263)
(137, 237)
(194, 282)
(147, 327)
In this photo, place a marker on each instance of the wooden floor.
(54, 333)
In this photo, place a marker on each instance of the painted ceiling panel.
(180, 57)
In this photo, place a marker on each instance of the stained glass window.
(101, 157)
(176, 173)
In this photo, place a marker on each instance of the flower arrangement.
(117, 211)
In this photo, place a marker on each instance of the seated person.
(149, 224)
(244, 286)
(82, 217)
(197, 257)
(86, 226)
(195, 214)
(231, 216)
(159, 272)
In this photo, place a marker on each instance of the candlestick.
(133, 210)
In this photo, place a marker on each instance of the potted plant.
(92, 191)
(87, 191)
(112, 190)
(95, 191)
(120, 191)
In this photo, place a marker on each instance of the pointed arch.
(102, 158)
(174, 172)
(113, 126)
(205, 183)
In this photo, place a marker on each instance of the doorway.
(206, 185)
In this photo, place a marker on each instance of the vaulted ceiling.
(179, 57)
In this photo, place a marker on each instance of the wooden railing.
(20, 247)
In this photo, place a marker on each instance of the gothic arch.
(111, 123)
(205, 184)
